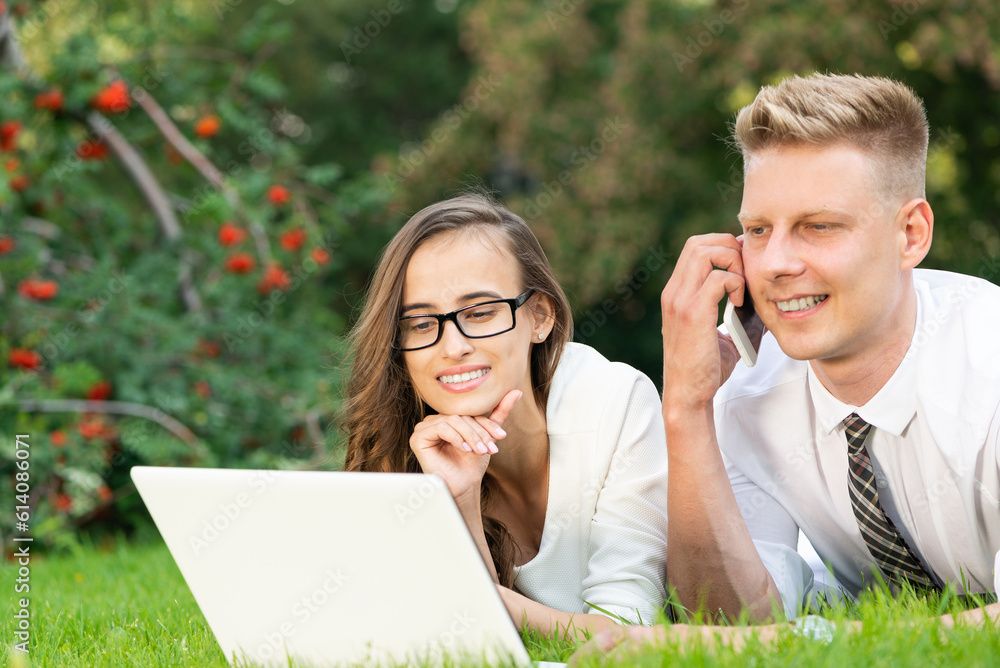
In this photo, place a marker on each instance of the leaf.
(324, 175)
(73, 379)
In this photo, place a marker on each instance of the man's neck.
(855, 379)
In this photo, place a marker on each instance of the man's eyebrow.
(821, 211)
(465, 298)
(744, 217)
(824, 211)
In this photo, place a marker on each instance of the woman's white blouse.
(604, 542)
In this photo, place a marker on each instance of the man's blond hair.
(880, 116)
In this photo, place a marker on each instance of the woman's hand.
(458, 447)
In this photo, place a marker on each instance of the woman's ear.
(543, 316)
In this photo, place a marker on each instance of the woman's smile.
(464, 378)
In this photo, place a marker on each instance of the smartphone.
(745, 327)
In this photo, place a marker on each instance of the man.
(871, 420)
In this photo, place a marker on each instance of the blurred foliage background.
(192, 194)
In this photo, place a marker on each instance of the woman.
(556, 457)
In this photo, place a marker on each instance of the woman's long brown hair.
(382, 407)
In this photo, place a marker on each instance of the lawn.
(127, 605)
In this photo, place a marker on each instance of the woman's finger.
(478, 437)
(503, 409)
(430, 434)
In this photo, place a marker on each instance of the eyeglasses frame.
(514, 304)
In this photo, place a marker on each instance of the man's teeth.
(801, 303)
(463, 377)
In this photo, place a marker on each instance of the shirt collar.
(890, 410)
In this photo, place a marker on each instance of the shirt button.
(882, 483)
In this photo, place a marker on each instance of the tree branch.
(177, 139)
(12, 56)
(112, 408)
(10, 51)
(316, 434)
(199, 161)
(155, 196)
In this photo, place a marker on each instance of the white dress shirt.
(934, 447)
(604, 542)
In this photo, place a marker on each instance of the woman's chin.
(464, 405)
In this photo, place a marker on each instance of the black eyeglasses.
(478, 321)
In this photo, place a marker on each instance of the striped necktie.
(890, 551)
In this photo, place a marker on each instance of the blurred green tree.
(605, 126)
(168, 258)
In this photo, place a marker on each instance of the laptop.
(331, 568)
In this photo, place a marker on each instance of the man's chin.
(799, 349)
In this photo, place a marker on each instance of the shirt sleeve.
(996, 574)
(626, 570)
(776, 535)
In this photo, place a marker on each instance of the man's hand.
(697, 358)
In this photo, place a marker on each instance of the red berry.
(92, 149)
(50, 99)
(38, 290)
(207, 126)
(7, 244)
(113, 99)
(20, 183)
(99, 391)
(63, 503)
(58, 438)
(24, 359)
(279, 195)
(207, 348)
(8, 135)
(105, 494)
(292, 240)
(173, 156)
(275, 278)
(240, 263)
(320, 255)
(230, 235)
(91, 428)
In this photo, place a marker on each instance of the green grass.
(127, 605)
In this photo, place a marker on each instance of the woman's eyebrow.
(466, 297)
